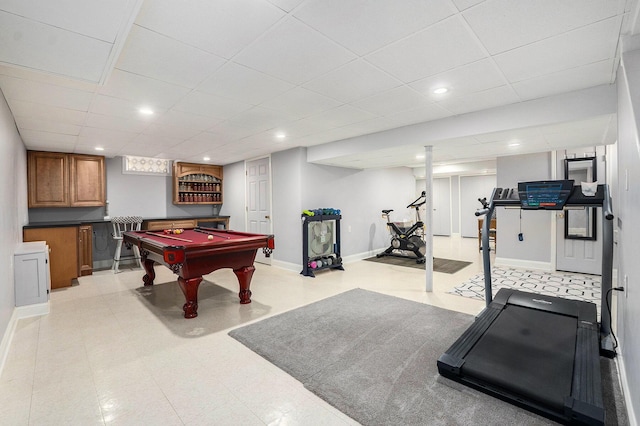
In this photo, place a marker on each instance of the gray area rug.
(447, 266)
(373, 357)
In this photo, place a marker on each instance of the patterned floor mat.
(569, 285)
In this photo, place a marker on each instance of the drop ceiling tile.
(340, 116)
(300, 103)
(176, 132)
(229, 131)
(534, 16)
(117, 107)
(393, 101)
(145, 91)
(154, 141)
(562, 52)
(46, 112)
(259, 119)
(419, 115)
(205, 141)
(353, 81)
(212, 106)
(474, 77)
(99, 136)
(283, 52)
(223, 28)
(63, 52)
(46, 94)
(363, 26)
(182, 119)
(477, 101)
(40, 138)
(243, 84)
(32, 123)
(97, 19)
(465, 4)
(373, 125)
(441, 47)
(286, 5)
(590, 75)
(56, 80)
(157, 56)
(113, 122)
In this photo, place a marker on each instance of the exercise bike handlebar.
(415, 203)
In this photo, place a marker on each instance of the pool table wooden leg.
(244, 275)
(190, 289)
(148, 268)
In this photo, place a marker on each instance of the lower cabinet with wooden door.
(70, 251)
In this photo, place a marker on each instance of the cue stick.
(170, 237)
(226, 237)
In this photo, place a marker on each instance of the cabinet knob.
(267, 217)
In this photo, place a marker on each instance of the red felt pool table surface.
(192, 254)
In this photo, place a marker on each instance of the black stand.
(336, 262)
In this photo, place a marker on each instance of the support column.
(428, 217)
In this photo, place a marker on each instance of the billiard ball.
(210, 237)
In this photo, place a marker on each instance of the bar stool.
(120, 225)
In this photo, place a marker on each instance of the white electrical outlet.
(626, 179)
(626, 286)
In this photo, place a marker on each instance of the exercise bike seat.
(387, 211)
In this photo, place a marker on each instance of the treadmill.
(539, 352)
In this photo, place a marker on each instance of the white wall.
(143, 195)
(472, 188)
(13, 214)
(361, 195)
(627, 206)
(536, 226)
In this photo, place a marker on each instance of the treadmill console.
(544, 195)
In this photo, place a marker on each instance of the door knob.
(267, 217)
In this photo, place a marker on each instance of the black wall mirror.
(580, 224)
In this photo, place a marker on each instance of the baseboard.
(347, 259)
(524, 264)
(5, 345)
(32, 310)
(19, 313)
(624, 385)
(286, 265)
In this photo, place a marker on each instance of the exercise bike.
(407, 241)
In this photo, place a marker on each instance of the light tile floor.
(114, 353)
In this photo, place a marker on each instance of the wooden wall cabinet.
(65, 180)
(197, 183)
(63, 257)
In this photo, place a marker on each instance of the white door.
(442, 206)
(576, 254)
(259, 200)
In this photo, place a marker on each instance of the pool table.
(196, 252)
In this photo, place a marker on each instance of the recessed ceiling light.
(145, 111)
(420, 157)
(99, 148)
(206, 158)
(514, 144)
(440, 90)
(280, 135)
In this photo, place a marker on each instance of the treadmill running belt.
(527, 352)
